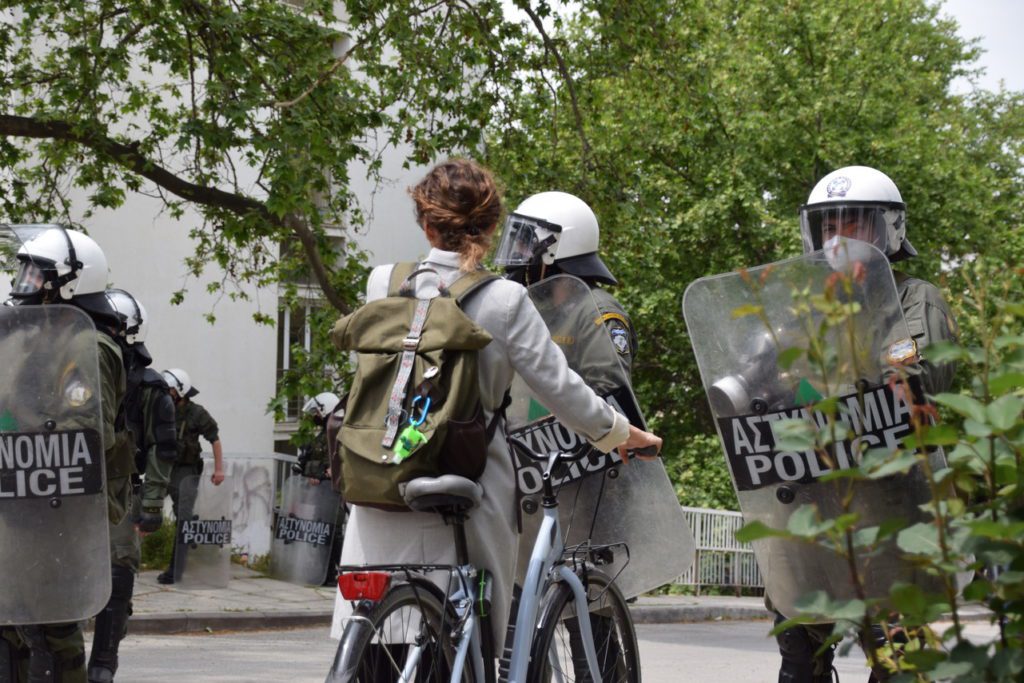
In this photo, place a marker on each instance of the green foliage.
(704, 124)
(700, 474)
(158, 546)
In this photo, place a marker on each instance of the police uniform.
(928, 320)
(190, 422)
(66, 641)
(148, 413)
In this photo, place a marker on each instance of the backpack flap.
(379, 333)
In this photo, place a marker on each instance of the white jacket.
(521, 344)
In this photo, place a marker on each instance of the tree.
(253, 112)
(705, 123)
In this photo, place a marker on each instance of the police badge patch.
(838, 186)
(620, 338)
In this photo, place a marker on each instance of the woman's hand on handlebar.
(644, 445)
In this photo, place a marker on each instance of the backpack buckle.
(410, 343)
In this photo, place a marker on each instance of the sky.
(998, 23)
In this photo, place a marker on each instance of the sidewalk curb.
(255, 620)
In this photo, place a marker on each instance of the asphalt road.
(734, 651)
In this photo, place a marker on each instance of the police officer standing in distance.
(863, 203)
(62, 266)
(191, 421)
(148, 412)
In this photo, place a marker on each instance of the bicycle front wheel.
(406, 631)
(557, 653)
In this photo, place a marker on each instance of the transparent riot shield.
(202, 557)
(771, 343)
(53, 508)
(600, 497)
(301, 548)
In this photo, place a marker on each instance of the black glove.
(151, 520)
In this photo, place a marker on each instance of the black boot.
(167, 577)
(111, 626)
(799, 663)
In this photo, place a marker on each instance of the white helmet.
(857, 202)
(553, 228)
(134, 321)
(54, 259)
(179, 380)
(321, 405)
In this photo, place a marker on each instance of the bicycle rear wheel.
(407, 630)
(557, 651)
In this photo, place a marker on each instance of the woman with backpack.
(459, 207)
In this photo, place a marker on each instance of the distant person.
(191, 422)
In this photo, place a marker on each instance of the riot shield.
(53, 509)
(600, 497)
(751, 333)
(301, 548)
(202, 557)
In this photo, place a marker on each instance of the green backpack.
(413, 409)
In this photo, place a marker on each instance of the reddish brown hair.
(460, 199)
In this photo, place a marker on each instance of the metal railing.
(721, 560)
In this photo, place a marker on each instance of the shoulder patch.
(620, 339)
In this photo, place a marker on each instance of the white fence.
(721, 559)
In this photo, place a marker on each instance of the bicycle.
(405, 628)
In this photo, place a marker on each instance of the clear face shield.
(30, 270)
(821, 225)
(525, 240)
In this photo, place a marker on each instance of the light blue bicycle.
(405, 629)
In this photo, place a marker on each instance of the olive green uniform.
(66, 641)
(191, 421)
(929, 320)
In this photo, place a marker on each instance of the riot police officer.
(552, 233)
(191, 421)
(314, 462)
(858, 202)
(63, 266)
(148, 412)
(556, 232)
(314, 458)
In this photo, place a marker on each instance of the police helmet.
(861, 203)
(553, 229)
(321, 405)
(57, 264)
(179, 380)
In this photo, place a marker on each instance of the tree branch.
(128, 156)
(549, 45)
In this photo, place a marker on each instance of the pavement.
(252, 601)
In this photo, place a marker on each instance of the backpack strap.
(399, 274)
(469, 283)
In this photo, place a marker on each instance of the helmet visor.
(820, 223)
(30, 279)
(523, 240)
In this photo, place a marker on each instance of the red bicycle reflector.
(364, 585)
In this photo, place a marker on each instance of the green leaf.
(804, 522)
(965, 405)
(1004, 412)
(793, 435)
(944, 352)
(754, 531)
(901, 464)
(747, 309)
(1002, 383)
(920, 539)
(788, 356)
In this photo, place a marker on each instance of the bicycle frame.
(546, 561)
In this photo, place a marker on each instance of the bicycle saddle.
(447, 491)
